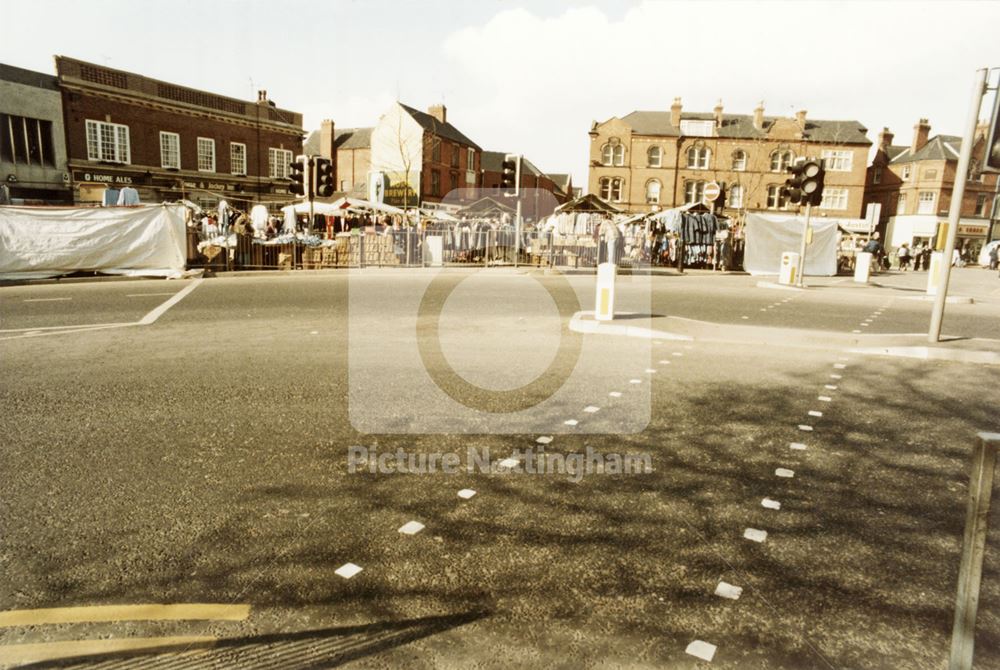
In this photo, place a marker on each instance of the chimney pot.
(885, 138)
(758, 116)
(675, 113)
(920, 133)
(718, 114)
(439, 112)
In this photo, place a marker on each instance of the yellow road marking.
(150, 612)
(19, 654)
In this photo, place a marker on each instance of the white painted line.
(544, 439)
(106, 613)
(815, 413)
(348, 570)
(590, 409)
(784, 472)
(161, 310)
(40, 652)
(702, 650)
(763, 309)
(571, 422)
(770, 504)
(797, 445)
(855, 331)
(146, 295)
(615, 394)
(836, 376)
(755, 535)
(46, 299)
(744, 317)
(509, 463)
(634, 381)
(465, 494)
(650, 371)
(865, 325)
(839, 366)
(411, 528)
(314, 332)
(843, 359)
(724, 590)
(677, 353)
(824, 398)
(806, 428)
(830, 387)
(664, 362)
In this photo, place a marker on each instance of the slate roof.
(938, 148)
(445, 130)
(561, 180)
(19, 75)
(740, 126)
(345, 138)
(492, 161)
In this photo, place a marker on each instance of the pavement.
(191, 451)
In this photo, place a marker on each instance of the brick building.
(914, 183)
(653, 160)
(351, 149)
(542, 192)
(171, 142)
(32, 142)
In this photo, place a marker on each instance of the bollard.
(935, 274)
(973, 547)
(604, 305)
(862, 267)
(789, 271)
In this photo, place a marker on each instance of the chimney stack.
(885, 138)
(326, 137)
(758, 116)
(718, 114)
(920, 133)
(439, 112)
(675, 113)
(261, 97)
(800, 116)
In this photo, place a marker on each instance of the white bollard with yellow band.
(604, 306)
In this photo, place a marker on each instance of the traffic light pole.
(517, 231)
(955, 211)
(802, 247)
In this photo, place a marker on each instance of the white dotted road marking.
(830, 387)
(634, 381)
(650, 371)
(348, 570)
(784, 472)
(805, 427)
(544, 439)
(755, 535)
(815, 413)
(839, 366)
(824, 398)
(725, 590)
(701, 649)
(314, 332)
(411, 528)
(615, 394)
(865, 325)
(797, 446)
(855, 331)
(744, 317)
(46, 299)
(664, 362)
(677, 353)
(836, 376)
(770, 504)
(571, 422)
(590, 409)
(465, 494)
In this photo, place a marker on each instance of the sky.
(530, 77)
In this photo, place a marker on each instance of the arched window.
(775, 199)
(739, 160)
(653, 191)
(607, 152)
(736, 196)
(781, 159)
(619, 154)
(655, 157)
(611, 188)
(694, 191)
(698, 157)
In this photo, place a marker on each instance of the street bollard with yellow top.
(604, 306)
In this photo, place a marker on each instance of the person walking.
(904, 257)
(918, 255)
(994, 257)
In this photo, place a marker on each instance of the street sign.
(711, 194)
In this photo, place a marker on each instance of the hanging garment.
(259, 217)
(110, 196)
(128, 196)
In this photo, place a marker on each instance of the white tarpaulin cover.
(770, 235)
(38, 242)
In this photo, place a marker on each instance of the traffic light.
(792, 190)
(510, 175)
(813, 176)
(323, 169)
(992, 158)
(298, 176)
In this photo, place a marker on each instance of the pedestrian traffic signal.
(298, 176)
(510, 175)
(323, 169)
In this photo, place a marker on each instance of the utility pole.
(955, 210)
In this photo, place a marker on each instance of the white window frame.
(205, 143)
(233, 158)
(927, 205)
(982, 204)
(167, 151)
(834, 198)
(617, 186)
(901, 204)
(774, 197)
(113, 148)
(278, 161)
(470, 159)
(740, 165)
(697, 128)
(694, 191)
(736, 195)
(785, 157)
(619, 155)
(836, 160)
(905, 175)
(607, 154)
(702, 158)
(653, 190)
(658, 152)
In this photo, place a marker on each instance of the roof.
(588, 203)
(432, 125)
(563, 181)
(740, 126)
(345, 138)
(893, 151)
(485, 206)
(938, 148)
(19, 75)
(492, 161)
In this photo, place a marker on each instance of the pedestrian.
(904, 257)
(918, 256)
(993, 255)
(874, 247)
(956, 258)
(927, 256)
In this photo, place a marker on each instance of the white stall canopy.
(38, 242)
(770, 235)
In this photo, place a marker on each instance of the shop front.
(930, 229)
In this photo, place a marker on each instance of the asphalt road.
(203, 458)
